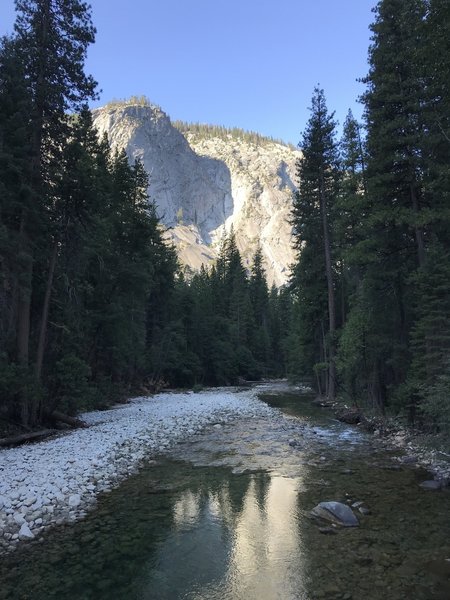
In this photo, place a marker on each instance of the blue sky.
(245, 63)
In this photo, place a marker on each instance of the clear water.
(226, 517)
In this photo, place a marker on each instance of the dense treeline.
(92, 303)
(229, 326)
(371, 218)
(131, 101)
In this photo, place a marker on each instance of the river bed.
(225, 515)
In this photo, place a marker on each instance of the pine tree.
(427, 383)
(434, 55)
(15, 194)
(349, 213)
(259, 297)
(393, 104)
(51, 38)
(318, 176)
(392, 235)
(14, 189)
(350, 205)
(349, 234)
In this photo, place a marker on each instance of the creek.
(225, 515)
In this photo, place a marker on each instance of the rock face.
(203, 185)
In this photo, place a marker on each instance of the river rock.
(74, 500)
(408, 460)
(25, 533)
(432, 484)
(19, 518)
(336, 512)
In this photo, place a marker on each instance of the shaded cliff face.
(203, 185)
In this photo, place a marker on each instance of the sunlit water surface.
(227, 517)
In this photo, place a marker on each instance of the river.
(225, 515)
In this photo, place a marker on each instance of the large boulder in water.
(336, 512)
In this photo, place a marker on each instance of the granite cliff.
(205, 180)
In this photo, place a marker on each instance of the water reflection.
(266, 559)
(187, 509)
(228, 544)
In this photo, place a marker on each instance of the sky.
(239, 63)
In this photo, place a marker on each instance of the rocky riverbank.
(57, 481)
(419, 449)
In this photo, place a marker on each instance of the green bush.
(72, 387)
(436, 402)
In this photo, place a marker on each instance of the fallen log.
(32, 436)
(68, 420)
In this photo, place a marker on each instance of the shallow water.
(226, 517)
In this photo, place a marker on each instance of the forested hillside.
(371, 283)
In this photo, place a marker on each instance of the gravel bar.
(56, 481)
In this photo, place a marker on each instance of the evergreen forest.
(371, 286)
(94, 306)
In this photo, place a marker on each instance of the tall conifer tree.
(318, 176)
(51, 38)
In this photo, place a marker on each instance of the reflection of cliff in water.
(238, 541)
(267, 552)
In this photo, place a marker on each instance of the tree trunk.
(376, 389)
(33, 436)
(319, 386)
(45, 312)
(331, 302)
(23, 308)
(25, 288)
(11, 327)
(34, 407)
(418, 230)
(324, 356)
(363, 162)
(23, 317)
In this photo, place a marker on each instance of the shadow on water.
(226, 516)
